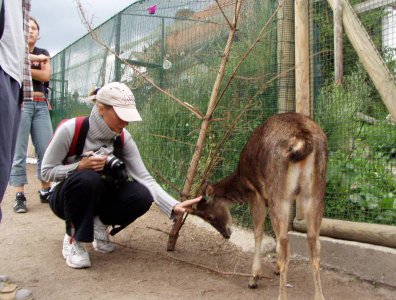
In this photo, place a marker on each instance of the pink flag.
(151, 10)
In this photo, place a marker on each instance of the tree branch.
(95, 37)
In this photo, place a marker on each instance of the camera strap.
(117, 145)
(80, 134)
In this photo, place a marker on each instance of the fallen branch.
(215, 270)
(157, 229)
(203, 267)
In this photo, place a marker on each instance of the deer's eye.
(209, 218)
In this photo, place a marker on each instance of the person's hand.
(94, 162)
(186, 206)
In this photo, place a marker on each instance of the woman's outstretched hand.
(186, 206)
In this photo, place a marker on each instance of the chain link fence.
(179, 48)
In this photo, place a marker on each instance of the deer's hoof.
(253, 282)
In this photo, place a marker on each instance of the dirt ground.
(141, 268)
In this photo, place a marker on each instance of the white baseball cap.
(120, 97)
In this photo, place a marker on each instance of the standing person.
(35, 120)
(92, 190)
(14, 73)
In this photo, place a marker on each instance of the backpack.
(80, 134)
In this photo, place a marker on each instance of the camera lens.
(113, 162)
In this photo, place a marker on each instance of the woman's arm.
(38, 58)
(138, 171)
(135, 166)
(43, 74)
(53, 168)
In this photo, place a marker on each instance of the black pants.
(84, 195)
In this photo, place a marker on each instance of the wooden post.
(338, 44)
(303, 103)
(285, 57)
(369, 56)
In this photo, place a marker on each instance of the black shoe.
(20, 203)
(44, 195)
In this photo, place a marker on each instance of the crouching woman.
(92, 192)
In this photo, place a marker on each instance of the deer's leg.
(279, 213)
(313, 217)
(258, 214)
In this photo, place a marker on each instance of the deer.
(284, 160)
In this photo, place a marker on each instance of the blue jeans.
(10, 113)
(35, 120)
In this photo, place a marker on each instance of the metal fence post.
(161, 70)
(63, 76)
(117, 61)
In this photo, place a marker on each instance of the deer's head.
(214, 210)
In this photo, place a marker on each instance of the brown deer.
(284, 159)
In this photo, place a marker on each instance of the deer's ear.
(209, 193)
(202, 189)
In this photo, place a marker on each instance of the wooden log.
(303, 101)
(338, 44)
(366, 118)
(369, 56)
(383, 235)
(372, 4)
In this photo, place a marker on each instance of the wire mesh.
(362, 140)
(179, 48)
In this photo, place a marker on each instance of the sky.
(60, 23)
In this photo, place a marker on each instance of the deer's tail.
(300, 147)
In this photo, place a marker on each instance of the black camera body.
(114, 169)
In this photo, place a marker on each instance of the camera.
(114, 169)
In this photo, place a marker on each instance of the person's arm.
(53, 168)
(44, 73)
(138, 171)
(38, 58)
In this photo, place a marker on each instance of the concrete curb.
(368, 262)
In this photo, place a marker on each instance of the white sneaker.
(66, 246)
(78, 257)
(101, 241)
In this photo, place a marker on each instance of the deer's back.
(284, 143)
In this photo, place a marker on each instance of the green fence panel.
(180, 48)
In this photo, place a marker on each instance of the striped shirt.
(27, 76)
